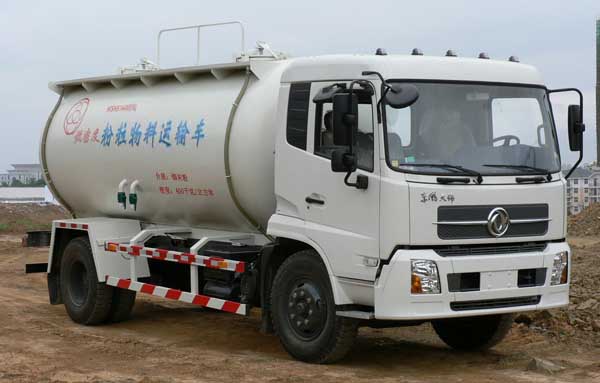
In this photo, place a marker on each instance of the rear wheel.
(86, 299)
(473, 333)
(303, 311)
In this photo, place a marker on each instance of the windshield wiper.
(529, 169)
(454, 168)
(518, 167)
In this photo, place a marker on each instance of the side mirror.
(342, 161)
(345, 118)
(576, 128)
(401, 95)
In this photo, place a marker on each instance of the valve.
(122, 199)
(121, 195)
(133, 190)
(133, 200)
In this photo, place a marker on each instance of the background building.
(24, 173)
(583, 188)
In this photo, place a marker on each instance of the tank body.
(168, 133)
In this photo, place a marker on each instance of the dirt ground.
(173, 342)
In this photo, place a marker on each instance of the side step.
(178, 295)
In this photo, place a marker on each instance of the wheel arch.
(290, 243)
(60, 240)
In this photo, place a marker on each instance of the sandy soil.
(173, 342)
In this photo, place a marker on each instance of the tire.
(473, 333)
(87, 301)
(306, 323)
(121, 305)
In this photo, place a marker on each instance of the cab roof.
(345, 67)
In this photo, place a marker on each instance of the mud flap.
(54, 289)
(266, 279)
(31, 268)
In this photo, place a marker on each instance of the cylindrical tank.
(167, 131)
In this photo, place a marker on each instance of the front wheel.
(473, 333)
(303, 311)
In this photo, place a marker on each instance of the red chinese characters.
(171, 184)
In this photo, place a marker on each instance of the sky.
(43, 41)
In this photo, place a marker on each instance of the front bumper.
(498, 283)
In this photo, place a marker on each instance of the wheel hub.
(307, 312)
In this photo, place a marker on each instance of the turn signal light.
(415, 285)
(112, 247)
(564, 276)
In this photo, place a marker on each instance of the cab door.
(342, 220)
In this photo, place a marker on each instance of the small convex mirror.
(401, 95)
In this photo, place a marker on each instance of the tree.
(16, 183)
(37, 183)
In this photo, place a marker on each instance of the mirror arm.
(384, 89)
(362, 182)
(576, 163)
(572, 90)
(384, 84)
(380, 104)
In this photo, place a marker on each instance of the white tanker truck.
(331, 192)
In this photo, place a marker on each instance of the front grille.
(495, 303)
(457, 251)
(480, 213)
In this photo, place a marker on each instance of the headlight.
(560, 269)
(425, 278)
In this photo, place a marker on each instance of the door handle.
(315, 201)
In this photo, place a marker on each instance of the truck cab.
(454, 205)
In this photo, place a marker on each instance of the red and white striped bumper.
(178, 295)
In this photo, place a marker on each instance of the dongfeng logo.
(75, 116)
(498, 222)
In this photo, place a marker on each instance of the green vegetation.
(22, 225)
(18, 184)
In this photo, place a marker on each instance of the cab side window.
(297, 116)
(365, 144)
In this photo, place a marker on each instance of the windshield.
(490, 129)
